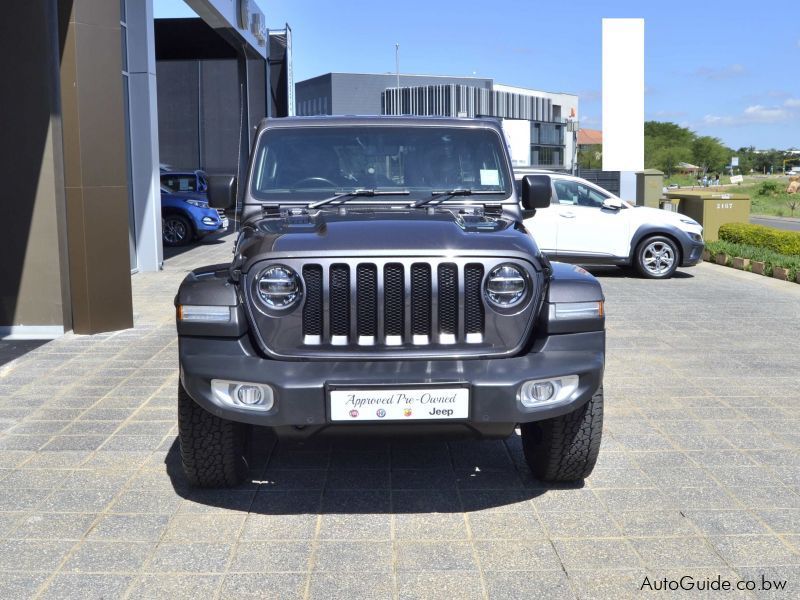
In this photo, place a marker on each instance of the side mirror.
(612, 204)
(537, 192)
(221, 191)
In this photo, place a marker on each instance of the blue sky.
(721, 69)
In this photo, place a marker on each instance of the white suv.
(585, 224)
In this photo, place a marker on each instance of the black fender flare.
(680, 238)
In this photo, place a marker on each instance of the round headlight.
(279, 286)
(506, 286)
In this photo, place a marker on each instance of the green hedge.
(777, 240)
(765, 255)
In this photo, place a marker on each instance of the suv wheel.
(565, 448)
(657, 257)
(176, 230)
(212, 449)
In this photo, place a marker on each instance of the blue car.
(185, 215)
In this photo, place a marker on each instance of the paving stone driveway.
(699, 472)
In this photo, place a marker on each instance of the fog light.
(542, 392)
(208, 221)
(253, 396)
(249, 394)
(547, 392)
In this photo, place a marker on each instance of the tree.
(590, 157)
(665, 145)
(666, 159)
(709, 154)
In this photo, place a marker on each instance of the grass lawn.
(772, 204)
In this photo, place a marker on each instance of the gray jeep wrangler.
(383, 282)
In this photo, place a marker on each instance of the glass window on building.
(546, 156)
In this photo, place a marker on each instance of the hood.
(383, 233)
(647, 214)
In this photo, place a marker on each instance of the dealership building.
(80, 151)
(536, 123)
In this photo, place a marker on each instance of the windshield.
(310, 163)
(182, 182)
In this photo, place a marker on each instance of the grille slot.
(473, 303)
(340, 300)
(393, 300)
(312, 309)
(367, 300)
(421, 300)
(448, 299)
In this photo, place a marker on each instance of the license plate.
(224, 223)
(399, 404)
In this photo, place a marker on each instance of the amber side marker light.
(576, 310)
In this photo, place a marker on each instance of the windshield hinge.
(295, 216)
(493, 210)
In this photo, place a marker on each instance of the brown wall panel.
(33, 271)
(95, 164)
(100, 106)
(109, 294)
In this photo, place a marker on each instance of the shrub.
(769, 257)
(760, 236)
(768, 188)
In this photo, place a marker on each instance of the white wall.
(567, 102)
(518, 136)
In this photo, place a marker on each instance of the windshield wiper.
(435, 195)
(358, 192)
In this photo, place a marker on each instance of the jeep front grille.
(383, 308)
(408, 292)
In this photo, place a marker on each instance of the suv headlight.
(279, 287)
(695, 237)
(197, 203)
(506, 286)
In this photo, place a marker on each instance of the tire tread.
(565, 448)
(212, 449)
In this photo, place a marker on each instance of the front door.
(584, 226)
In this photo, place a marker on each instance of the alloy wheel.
(658, 258)
(174, 230)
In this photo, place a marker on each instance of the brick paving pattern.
(698, 475)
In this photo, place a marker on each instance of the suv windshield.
(310, 163)
(183, 182)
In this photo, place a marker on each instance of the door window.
(577, 194)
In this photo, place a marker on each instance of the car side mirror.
(537, 192)
(221, 191)
(612, 204)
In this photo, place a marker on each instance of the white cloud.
(764, 114)
(717, 73)
(757, 113)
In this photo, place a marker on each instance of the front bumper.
(300, 387)
(208, 220)
(692, 253)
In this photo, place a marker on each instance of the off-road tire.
(212, 449)
(565, 448)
